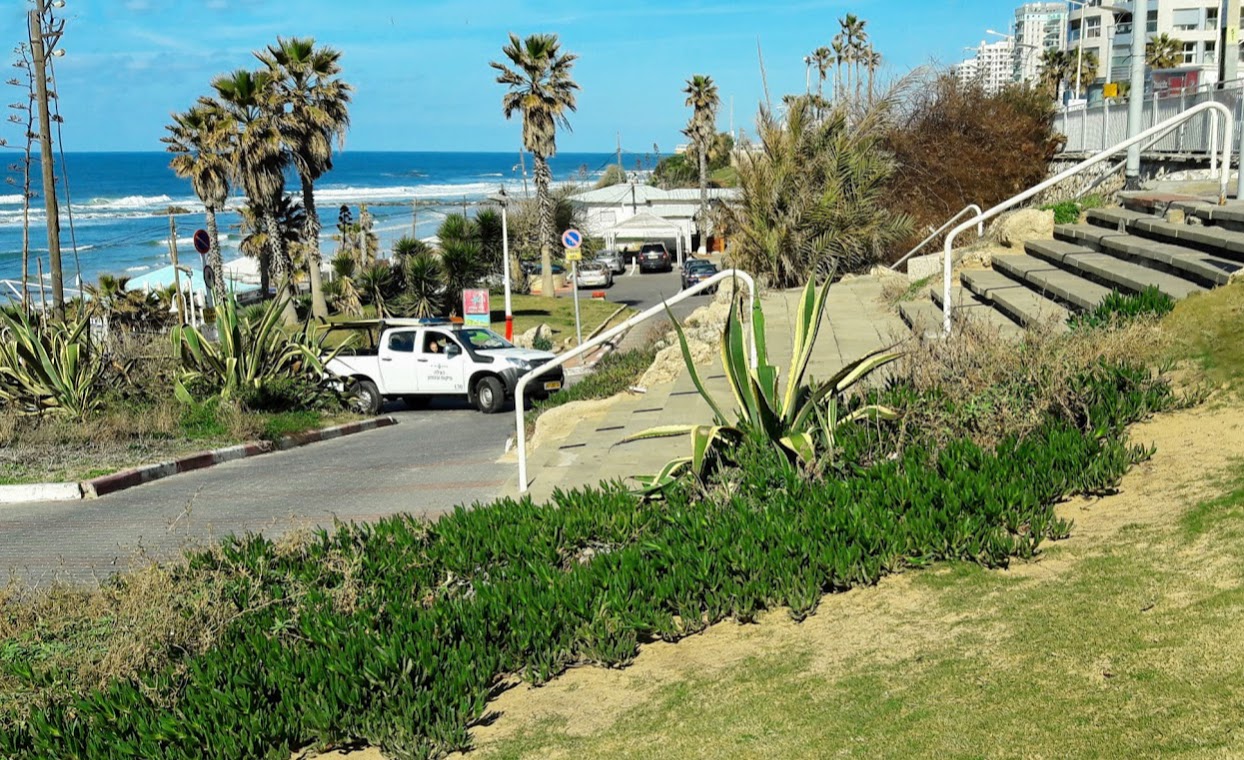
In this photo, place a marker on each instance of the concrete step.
(1112, 218)
(1111, 271)
(1215, 241)
(1200, 267)
(921, 316)
(968, 305)
(1014, 299)
(1050, 280)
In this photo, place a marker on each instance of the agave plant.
(48, 367)
(793, 420)
(250, 352)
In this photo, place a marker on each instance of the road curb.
(119, 481)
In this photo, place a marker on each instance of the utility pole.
(1229, 40)
(620, 154)
(38, 54)
(414, 219)
(1136, 94)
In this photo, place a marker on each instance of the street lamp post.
(503, 200)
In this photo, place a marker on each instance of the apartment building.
(1038, 27)
(1096, 26)
(993, 66)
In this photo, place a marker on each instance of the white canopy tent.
(647, 226)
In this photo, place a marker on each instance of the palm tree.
(702, 98)
(856, 40)
(1053, 71)
(814, 199)
(839, 49)
(199, 140)
(872, 60)
(1164, 52)
(259, 166)
(313, 104)
(540, 88)
(822, 57)
(1087, 66)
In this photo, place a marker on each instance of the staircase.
(1116, 249)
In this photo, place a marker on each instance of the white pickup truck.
(415, 360)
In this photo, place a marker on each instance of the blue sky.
(421, 67)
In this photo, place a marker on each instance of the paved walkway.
(857, 322)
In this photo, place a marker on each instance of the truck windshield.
(482, 340)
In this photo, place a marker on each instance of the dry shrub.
(956, 145)
(983, 386)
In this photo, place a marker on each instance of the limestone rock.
(1014, 229)
(528, 338)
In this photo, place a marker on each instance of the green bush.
(541, 343)
(398, 633)
(1118, 307)
(289, 423)
(1068, 212)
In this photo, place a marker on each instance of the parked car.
(532, 268)
(655, 257)
(695, 271)
(416, 359)
(615, 260)
(594, 274)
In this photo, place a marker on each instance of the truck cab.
(416, 360)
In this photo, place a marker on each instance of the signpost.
(203, 244)
(572, 239)
(476, 309)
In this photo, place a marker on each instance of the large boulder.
(1014, 229)
(528, 338)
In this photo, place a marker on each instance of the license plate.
(553, 385)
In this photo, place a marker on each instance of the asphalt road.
(433, 460)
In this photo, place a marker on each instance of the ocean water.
(118, 200)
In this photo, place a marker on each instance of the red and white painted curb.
(119, 481)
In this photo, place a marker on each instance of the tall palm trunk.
(311, 237)
(281, 263)
(703, 223)
(870, 83)
(544, 197)
(214, 262)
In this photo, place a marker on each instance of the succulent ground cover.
(398, 633)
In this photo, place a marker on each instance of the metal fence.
(1093, 128)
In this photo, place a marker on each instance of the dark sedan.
(695, 271)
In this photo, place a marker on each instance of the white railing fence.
(980, 233)
(1195, 112)
(520, 427)
(1090, 129)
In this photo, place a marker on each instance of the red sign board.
(476, 309)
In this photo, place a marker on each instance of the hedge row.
(444, 612)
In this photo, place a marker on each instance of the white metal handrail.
(520, 428)
(980, 232)
(1228, 133)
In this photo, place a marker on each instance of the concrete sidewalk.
(857, 322)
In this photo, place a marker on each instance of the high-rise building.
(993, 66)
(1038, 27)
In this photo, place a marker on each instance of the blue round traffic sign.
(572, 238)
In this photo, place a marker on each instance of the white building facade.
(993, 66)
(1038, 27)
(1200, 25)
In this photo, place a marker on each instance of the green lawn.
(557, 313)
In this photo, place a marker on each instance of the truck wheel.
(364, 397)
(489, 395)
